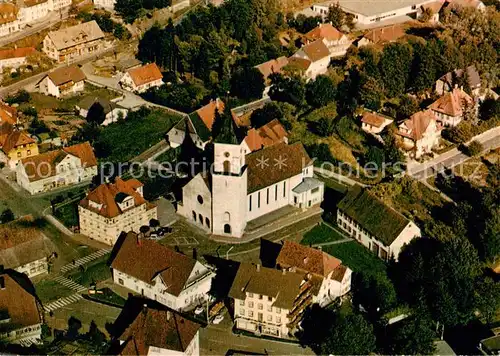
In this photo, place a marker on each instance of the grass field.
(321, 233)
(49, 290)
(356, 257)
(94, 273)
(129, 138)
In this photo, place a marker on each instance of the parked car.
(218, 319)
(198, 310)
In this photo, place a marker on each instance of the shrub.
(473, 149)
(22, 96)
(461, 133)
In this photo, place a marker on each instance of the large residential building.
(159, 273)
(112, 111)
(150, 329)
(312, 59)
(74, 42)
(375, 225)
(383, 35)
(270, 67)
(63, 81)
(329, 277)
(336, 42)
(244, 186)
(451, 80)
(105, 4)
(268, 301)
(33, 10)
(21, 315)
(24, 248)
(59, 168)
(112, 208)
(420, 133)
(142, 78)
(370, 12)
(452, 106)
(14, 58)
(15, 145)
(373, 122)
(9, 22)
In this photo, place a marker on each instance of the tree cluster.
(130, 10)
(106, 24)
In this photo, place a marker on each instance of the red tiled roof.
(105, 195)
(146, 74)
(10, 138)
(67, 74)
(307, 259)
(418, 124)
(145, 259)
(30, 3)
(316, 50)
(326, 31)
(373, 118)
(339, 273)
(85, 152)
(16, 53)
(386, 34)
(207, 112)
(272, 66)
(299, 63)
(8, 114)
(269, 134)
(8, 12)
(452, 103)
(158, 328)
(20, 305)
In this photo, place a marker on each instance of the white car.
(218, 319)
(198, 310)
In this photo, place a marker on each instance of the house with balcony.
(336, 41)
(450, 108)
(329, 277)
(24, 248)
(375, 225)
(159, 273)
(21, 314)
(269, 302)
(420, 133)
(74, 42)
(311, 60)
(142, 78)
(15, 144)
(59, 168)
(64, 81)
(112, 208)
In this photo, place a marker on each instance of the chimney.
(284, 272)
(139, 240)
(320, 248)
(2, 283)
(258, 267)
(144, 308)
(306, 259)
(217, 103)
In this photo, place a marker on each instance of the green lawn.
(130, 137)
(356, 257)
(49, 290)
(321, 233)
(94, 273)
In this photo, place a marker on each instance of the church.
(243, 186)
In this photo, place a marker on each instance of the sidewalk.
(339, 177)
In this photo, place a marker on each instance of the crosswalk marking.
(62, 302)
(81, 261)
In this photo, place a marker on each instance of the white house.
(142, 78)
(452, 106)
(370, 12)
(24, 248)
(62, 82)
(159, 273)
(312, 59)
(156, 331)
(420, 133)
(56, 5)
(20, 311)
(33, 10)
(244, 186)
(373, 122)
(14, 58)
(112, 111)
(9, 22)
(59, 168)
(329, 277)
(268, 301)
(112, 208)
(336, 41)
(375, 225)
(108, 5)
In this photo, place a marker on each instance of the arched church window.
(227, 229)
(194, 215)
(227, 216)
(227, 167)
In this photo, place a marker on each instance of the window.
(250, 304)
(250, 203)
(226, 154)
(258, 200)
(269, 318)
(29, 152)
(250, 313)
(267, 196)
(269, 308)
(194, 215)
(200, 199)
(207, 222)
(260, 296)
(250, 295)
(284, 189)
(315, 190)
(260, 306)
(278, 319)
(242, 302)
(270, 298)
(120, 281)
(227, 229)
(278, 310)
(276, 192)
(201, 218)
(242, 312)
(227, 167)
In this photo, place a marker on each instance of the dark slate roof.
(201, 129)
(372, 214)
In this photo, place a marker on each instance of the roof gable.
(72, 36)
(68, 74)
(316, 50)
(145, 74)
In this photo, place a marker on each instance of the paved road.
(342, 179)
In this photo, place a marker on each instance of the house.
(24, 248)
(371, 12)
(270, 134)
(490, 346)
(375, 225)
(473, 4)
(374, 123)
(59, 168)
(336, 42)
(313, 59)
(433, 8)
(32, 10)
(58, 5)
(268, 301)
(112, 208)
(108, 5)
(452, 79)
(243, 186)
(150, 329)
(14, 58)
(452, 106)
(383, 35)
(21, 315)
(270, 67)
(9, 22)
(159, 273)
(8, 114)
(329, 277)
(142, 78)
(74, 42)
(15, 145)
(420, 133)
(63, 81)
(112, 111)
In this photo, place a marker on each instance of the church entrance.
(227, 229)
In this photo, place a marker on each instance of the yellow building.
(16, 144)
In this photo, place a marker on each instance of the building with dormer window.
(112, 208)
